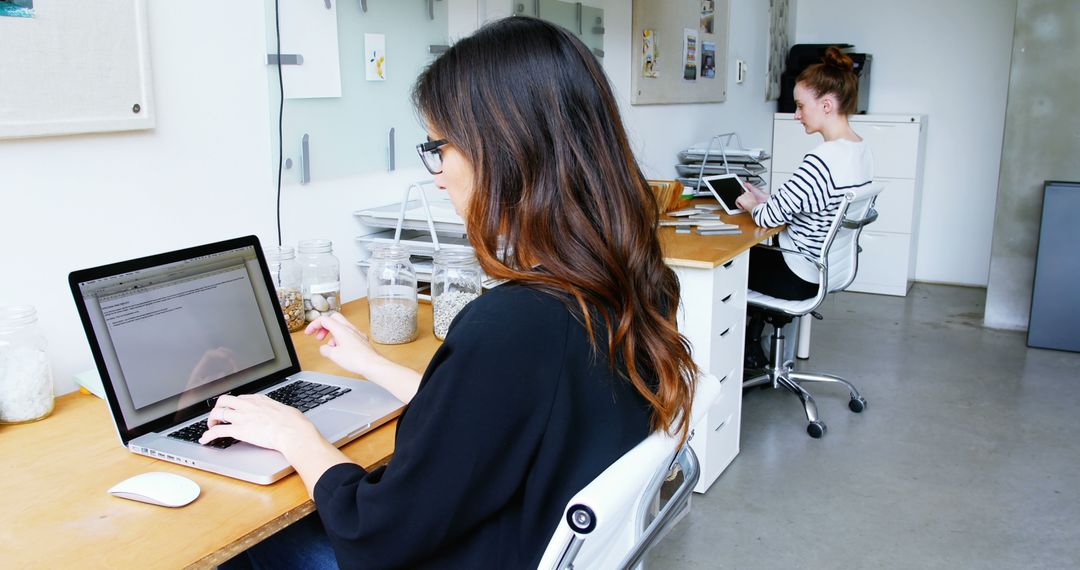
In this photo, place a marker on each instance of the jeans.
(303, 544)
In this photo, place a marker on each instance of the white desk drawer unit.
(887, 263)
(716, 336)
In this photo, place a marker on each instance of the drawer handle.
(724, 378)
(721, 426)
(727, 330)
(728, 298)
(728, 264)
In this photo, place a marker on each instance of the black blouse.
(514, 415)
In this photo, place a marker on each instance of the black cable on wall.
(281, 114)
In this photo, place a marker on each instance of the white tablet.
(726, 188)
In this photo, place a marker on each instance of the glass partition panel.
(348, 135)
(585, 22)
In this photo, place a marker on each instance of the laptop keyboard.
(194, 431)
(306, 395)
(300, 395)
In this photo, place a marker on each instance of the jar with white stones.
(26, 383)
(391, 294)
(321, 283)
(455, 281)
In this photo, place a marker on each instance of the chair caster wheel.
(857, 404)
(816, 429)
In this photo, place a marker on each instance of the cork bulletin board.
(75, 67)
(679, 51)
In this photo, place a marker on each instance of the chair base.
(780, 374)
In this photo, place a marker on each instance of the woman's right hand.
(345, 345)
(350, 349)
(756, 192)
(747, 201)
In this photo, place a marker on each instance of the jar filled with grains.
(321, 278)
(287, 277)
(26, 384)
(392, 295)
(455, 281)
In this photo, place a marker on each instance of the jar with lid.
(392, 295)
(321, 278)
(287, 277)
(455, 281)
(26, 384)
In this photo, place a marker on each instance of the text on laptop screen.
(180, 333)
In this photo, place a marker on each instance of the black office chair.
(837, 265)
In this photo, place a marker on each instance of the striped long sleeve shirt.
(808, 202)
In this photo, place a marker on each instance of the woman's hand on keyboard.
(260, 421)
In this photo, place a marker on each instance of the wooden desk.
(54, 475)
(712, 273)
(706, 252)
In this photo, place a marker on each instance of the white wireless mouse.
(158, 488)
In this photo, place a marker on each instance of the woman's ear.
(828, 105)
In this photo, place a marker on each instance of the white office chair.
(837, 265)
(607, 524)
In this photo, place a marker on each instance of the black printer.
(802, 56)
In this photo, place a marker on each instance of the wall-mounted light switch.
(740, 71)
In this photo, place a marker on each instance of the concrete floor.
(967, 455)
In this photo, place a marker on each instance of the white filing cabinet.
(898, 142)
(712, 317)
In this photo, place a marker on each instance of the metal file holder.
(725, 139)
(427, 210)
(722, 142)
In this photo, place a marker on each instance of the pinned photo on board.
(17, 8)
(648, 53)
(690, 54)
(707, 9)
(708, 59)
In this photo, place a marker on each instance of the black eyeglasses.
(431, 156)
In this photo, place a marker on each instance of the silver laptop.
(172, 332)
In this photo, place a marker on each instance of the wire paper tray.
(692, 170)
(442, 215)
(418, 242)
(733, 154)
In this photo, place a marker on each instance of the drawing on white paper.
(375, 56)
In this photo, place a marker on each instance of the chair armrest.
(851, 224)
(669, 514)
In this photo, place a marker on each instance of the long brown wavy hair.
(559, 201)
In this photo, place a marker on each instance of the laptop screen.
(176, 330)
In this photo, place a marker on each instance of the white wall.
(949, 60)
(203, 174)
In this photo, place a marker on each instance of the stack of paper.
(704, 227)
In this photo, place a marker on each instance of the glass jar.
(288, 280)
(392, 295)
(26, 384)
(321, 278)
(455, 281)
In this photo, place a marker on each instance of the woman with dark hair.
(825, 95)
(542, 382)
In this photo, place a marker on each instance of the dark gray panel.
(1055, 300)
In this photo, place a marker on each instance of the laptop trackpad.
(335, 422)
